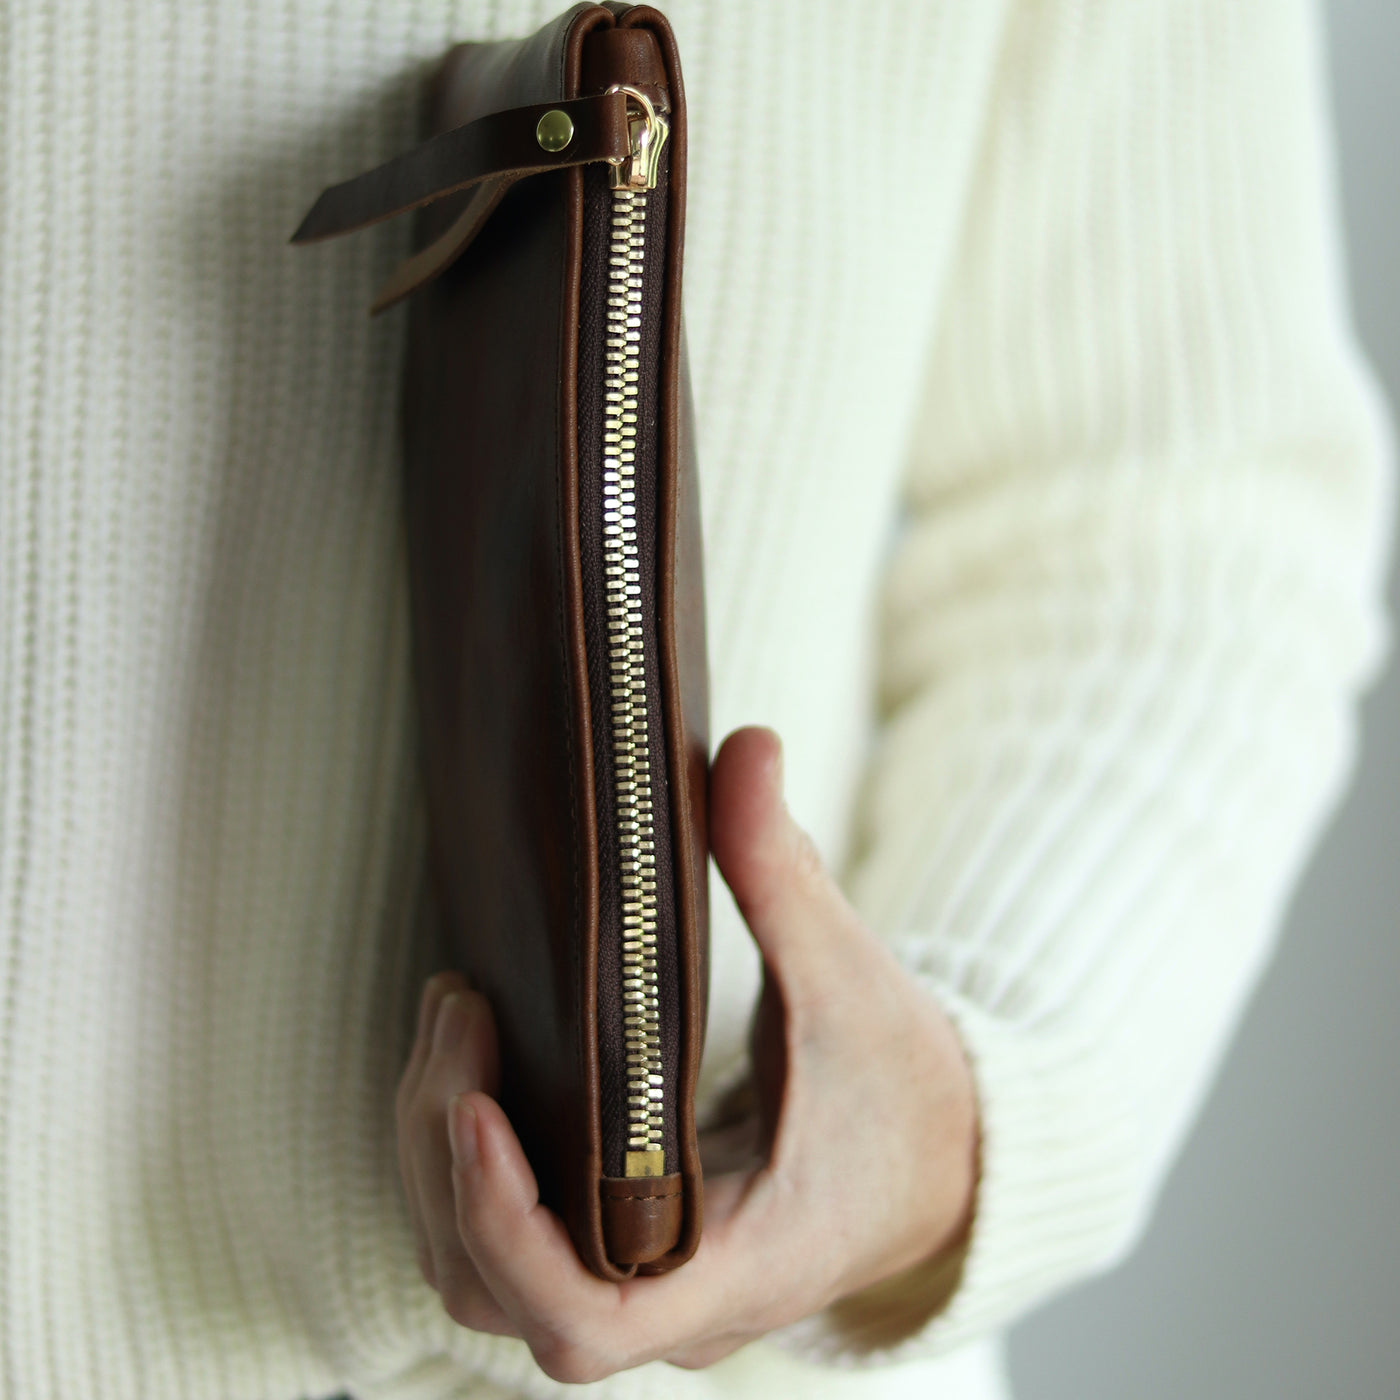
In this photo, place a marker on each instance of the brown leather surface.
(641, 1216)
(491, 502)
(498, 144)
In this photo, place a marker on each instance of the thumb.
(791, 904)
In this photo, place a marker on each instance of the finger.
(408, 1112)
(462, 1058)
(794, 909)
(579, 1327)
(520, 1248)
(434, 990)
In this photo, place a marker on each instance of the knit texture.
(1045, 504)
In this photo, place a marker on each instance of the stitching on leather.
(562, 616)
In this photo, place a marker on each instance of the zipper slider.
(647, 132)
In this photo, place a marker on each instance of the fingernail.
(461, 1130)
(451, 1022)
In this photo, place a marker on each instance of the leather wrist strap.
(501, 147)
(443, 251)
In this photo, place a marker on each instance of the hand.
(861, 1150)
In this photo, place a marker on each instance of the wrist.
(920, 1270)
(953, 1142)
(941, 1168)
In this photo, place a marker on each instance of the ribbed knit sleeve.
(1125, 626)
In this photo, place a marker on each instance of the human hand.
(858, 1163)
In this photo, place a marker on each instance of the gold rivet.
(555, 130)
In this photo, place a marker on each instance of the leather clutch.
(552, 517)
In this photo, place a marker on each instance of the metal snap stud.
(555, 130)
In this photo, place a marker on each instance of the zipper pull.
(647, 132)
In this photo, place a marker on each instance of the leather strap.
(443, 251)
(501, 146)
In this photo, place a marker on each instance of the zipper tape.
(630, 699)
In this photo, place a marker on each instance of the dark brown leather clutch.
(558, 606)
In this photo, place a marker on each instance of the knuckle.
(692, 1361)
(464, 1304)
(807, 863)
(460, 1310)
(563, 1360)
(809, 876)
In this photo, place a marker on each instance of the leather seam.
(563, 628)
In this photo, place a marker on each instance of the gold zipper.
(646, 1098)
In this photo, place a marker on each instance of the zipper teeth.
(631, 760)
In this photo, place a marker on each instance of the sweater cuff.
(1058, 1196)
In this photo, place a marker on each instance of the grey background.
(1272, 1267)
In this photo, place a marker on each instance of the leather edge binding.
(638, 1210)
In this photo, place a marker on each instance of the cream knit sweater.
(1045, 503)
